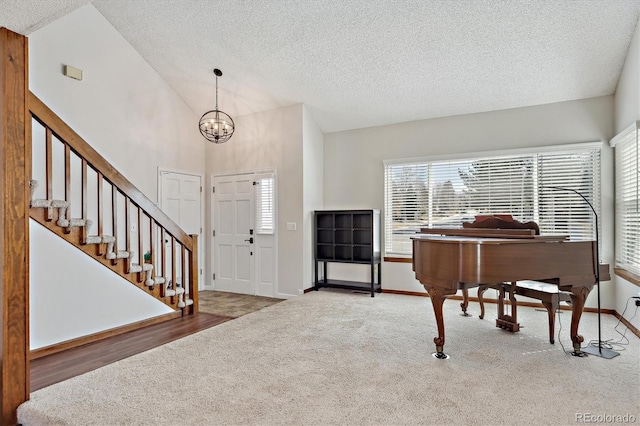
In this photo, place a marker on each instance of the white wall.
(270, 140)
(354, 174)
(627, 96)
(121, 107)
(627, 110)
(125, 111)
(60, 311)
(312, 166)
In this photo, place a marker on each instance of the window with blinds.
(265, 194)
(445, 193)
(627, 149)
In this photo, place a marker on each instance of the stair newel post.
(15, 160)
(49, 172)
(67, 184)
(84, 230)
(100, 209)
(193, 273)
(140, 245)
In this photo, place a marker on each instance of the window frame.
(261, 225)
(627, 265)
(395, 256)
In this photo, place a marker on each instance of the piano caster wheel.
(464, 314)
(440, 355)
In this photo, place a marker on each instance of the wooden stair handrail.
(49, 119)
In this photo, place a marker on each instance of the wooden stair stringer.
(93, 251)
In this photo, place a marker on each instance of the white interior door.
(234, 200)
(181, 200)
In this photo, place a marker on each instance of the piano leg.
(481, 289)
(438, 296)
(552, 306)
(465, 302)
(578, 297)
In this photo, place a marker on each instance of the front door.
(233, 225)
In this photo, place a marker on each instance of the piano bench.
(546, 293)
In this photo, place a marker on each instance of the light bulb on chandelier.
(215, 125)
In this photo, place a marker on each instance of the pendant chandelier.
(215, 125)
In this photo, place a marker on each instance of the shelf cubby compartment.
(343, 221)
(325, 221)
(343, 252)
(362, 220)
(343, 236)
(325, 251)
(362, 253)
(362, 236)
(325, 236)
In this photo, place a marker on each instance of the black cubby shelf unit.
(347, 236)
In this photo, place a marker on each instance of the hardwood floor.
(215, 308)
(64, 365)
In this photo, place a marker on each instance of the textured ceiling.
(361, 63)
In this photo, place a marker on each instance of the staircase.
(79, 196)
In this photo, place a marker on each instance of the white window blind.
(434, 194)
(265, 194)
(627, 149)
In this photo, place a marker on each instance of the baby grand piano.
(446, 260)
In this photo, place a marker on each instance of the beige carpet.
(338, 358)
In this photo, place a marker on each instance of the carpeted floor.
(336, 358)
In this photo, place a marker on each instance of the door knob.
(250, 240)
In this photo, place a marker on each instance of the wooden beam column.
(15, 168)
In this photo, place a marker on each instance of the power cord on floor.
(618, 346)
(623, 338)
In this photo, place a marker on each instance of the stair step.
(93, 239)
(134, 267)
(120, 254)
(74, 223)
(40, 203)
(189, 302)
(172, 292)
(154, 281)
(108, 239)
(59, 203)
